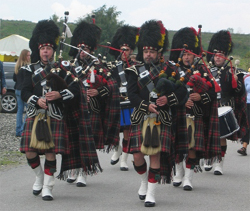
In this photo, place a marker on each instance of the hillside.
(25, 28)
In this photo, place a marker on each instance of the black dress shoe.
(217, 173)
(187, 187)
(37, 192)
(113, 162)
(123, 168)
(71, 180)
(80, 184)
(208, 168)
(47, 198)
(176, 184)
(142, 197)
(149, 204)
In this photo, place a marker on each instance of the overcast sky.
(213, 15)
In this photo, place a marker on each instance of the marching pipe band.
(97, 77)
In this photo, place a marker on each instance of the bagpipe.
(90, 76)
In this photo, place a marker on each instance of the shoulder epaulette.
(133, 68)
(27, 67)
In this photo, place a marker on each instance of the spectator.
(18, 77)
(2, 83)
(246, 138)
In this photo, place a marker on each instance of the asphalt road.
(116, 190)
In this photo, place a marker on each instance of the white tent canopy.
(13, 45)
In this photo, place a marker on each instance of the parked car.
(9, 101)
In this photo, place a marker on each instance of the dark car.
(9, 101)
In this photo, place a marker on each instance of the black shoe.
(208, 168)
(80, 184)
(18, 136)
(123, 168)
(47, 198)
(142, 197)
(176, 184)
(217, 173)
(242, 151)
(71, 180)
(187, 187)
(149, 204)
(113, 162)
(37, 192)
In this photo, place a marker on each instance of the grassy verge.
(11, 158)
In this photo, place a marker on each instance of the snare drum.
(228, 122)
(126, 111)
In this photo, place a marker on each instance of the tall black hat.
(85, 34)
(186, 36)
(124, 36)
(222, 42)
(45, 33)
(152, 35)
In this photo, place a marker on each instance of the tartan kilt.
(199, 136)
(97, 129)
(60, 137)
(80, 156)
(136, 139)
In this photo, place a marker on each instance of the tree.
(54, 18)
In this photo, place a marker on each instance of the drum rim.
(229, 134)
(224, 112)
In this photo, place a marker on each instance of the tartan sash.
(40, 75)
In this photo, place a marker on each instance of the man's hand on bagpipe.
(91, 93)
(42, 103)
(195, 97)
(161, 101)
(53, 95)
(189, 104)
(153, 108)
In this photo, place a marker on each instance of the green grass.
(11, 158)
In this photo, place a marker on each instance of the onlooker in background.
(246, 138)
(18, 77)
(2, 83)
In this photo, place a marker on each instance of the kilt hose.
(59, 135)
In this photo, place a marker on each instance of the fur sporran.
(151, 144)
(41, 137)
(191, 128)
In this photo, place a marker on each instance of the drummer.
(124, 40)
(232, 88)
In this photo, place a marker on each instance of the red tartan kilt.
(135, 138)
(59, 134)
(97, 129)
(199, 134)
